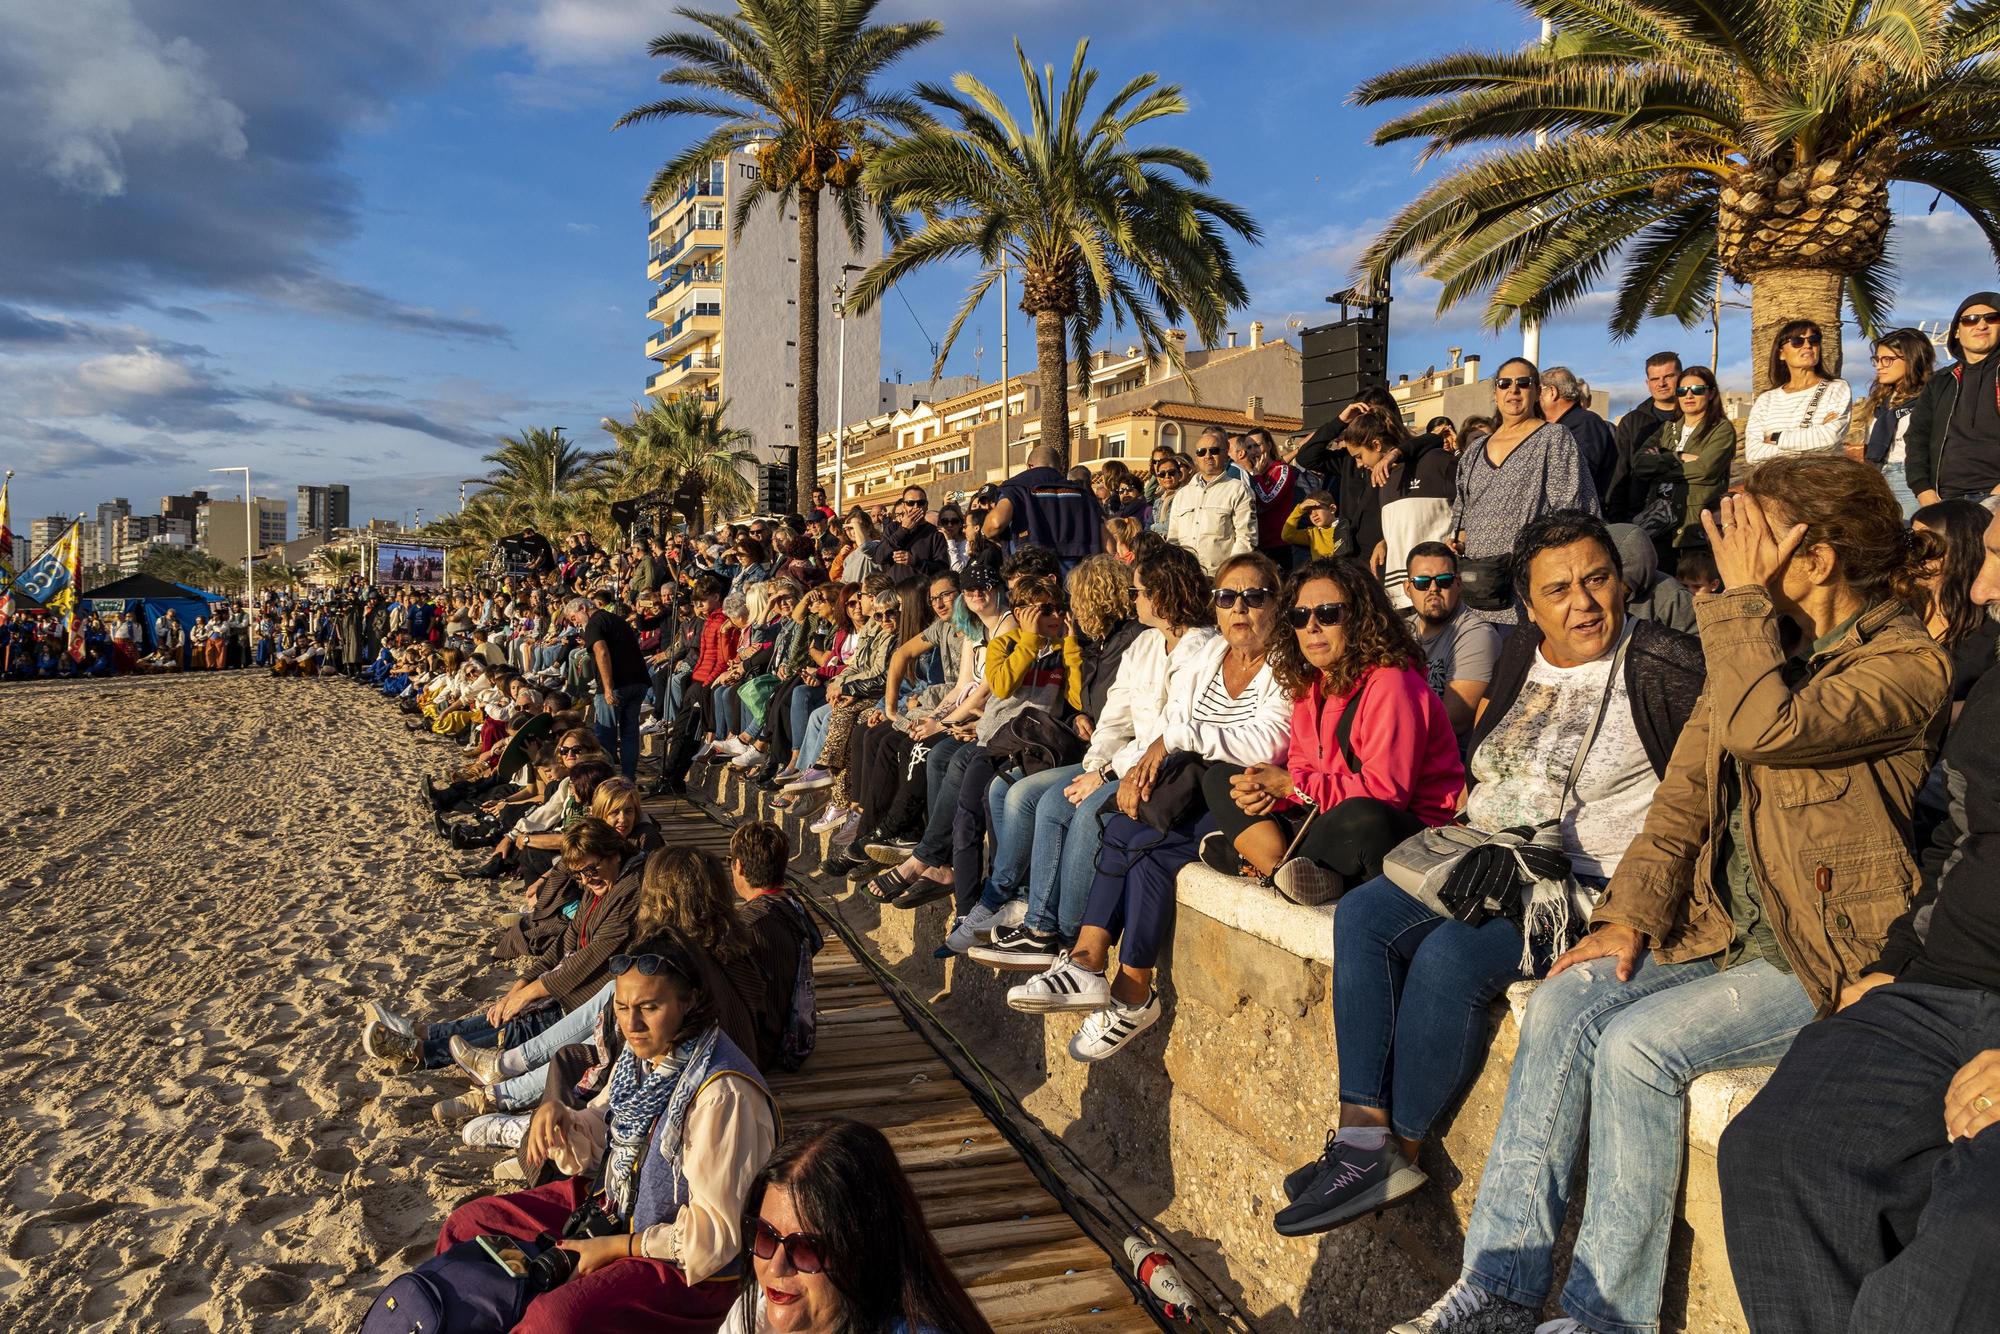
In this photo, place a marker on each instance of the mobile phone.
(506, 1253)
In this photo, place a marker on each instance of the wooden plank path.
(1028, 1265)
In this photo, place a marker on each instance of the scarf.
(640, 1095)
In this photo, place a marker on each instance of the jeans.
(669, 685)
(806, 697)
(814, 737)
(1011, 803)
(525, 1091)
(1619, 1055)
(944, 771)
(478, 1033)
(1410, 992)
(618, 725)
(1846, 1208)
(1132, 890)
(1064, 860)
(1897, 475)
(728, 712)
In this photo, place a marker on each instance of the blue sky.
(355, 241)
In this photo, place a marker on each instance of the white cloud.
(115, 83)
(141, 374)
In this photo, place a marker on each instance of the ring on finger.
(1982, 1103)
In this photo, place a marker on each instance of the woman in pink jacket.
(1373, 757)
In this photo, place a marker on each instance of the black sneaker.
(1017, 949)
(1218, 853)
(1307, 883)
(889, 851)
(1352, 1181)
(1299, 1178)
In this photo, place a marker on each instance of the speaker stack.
(1339, 360)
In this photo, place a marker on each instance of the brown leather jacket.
(1829, 772)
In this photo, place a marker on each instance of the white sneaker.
(972, 929)
(1061, 986)
(1563, 1326)
(829, 819)
(1108, 1030)
(812, 780)
(751, 758)
(701, 752)
(1012, 913)
(652, 727)
(495, 1130)
(729, 746)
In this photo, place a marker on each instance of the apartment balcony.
(673, 279)
(664, 218)
(704, 321)
(695, 371)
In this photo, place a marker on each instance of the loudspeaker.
(774, 489)
(1341, 359)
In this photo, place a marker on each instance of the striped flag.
(73, 611)
(6, 553)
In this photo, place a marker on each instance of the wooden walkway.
(1026, 1262)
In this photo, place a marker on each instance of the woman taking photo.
(1772, 860)
(1232, 711)
(1904, 359)
(1373, 756)
(1684, 468)
(837, 1244)
(1523, 470)
(1805, 410)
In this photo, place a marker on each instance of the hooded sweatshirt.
(1661, 597)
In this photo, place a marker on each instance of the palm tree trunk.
(1778, 296)
(805, 459)
(1052, 360)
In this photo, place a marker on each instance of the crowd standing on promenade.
(1696, 732)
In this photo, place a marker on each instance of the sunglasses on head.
(649, 965)
(1694, 391)
(1506, 382)
(806, 1251)
(1326, 613)
(1252, 598)
(1422, 582)
(1988, 318)
(1804, 340)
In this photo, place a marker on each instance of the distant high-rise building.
(109, 512)
(135, 532)
(323, 510)
(43, 533)
(729, 305)
(182, 507)
(219, 525)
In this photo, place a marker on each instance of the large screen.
(420, 567)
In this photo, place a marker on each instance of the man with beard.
(1461, 650)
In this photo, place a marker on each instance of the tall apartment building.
(182, 507)
(135, 532)
(728, 308)
(219, 525)
(43, 533)
(322, 509)
(109, 512)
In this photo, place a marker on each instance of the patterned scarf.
(640, 1095)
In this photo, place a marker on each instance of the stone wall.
(1196, 1125)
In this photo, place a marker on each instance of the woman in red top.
(1327, 817)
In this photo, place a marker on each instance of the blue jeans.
(669, 686)
(944, 772)
(1897, 475)
(618, 725)
(728, 712)
(478, 1033)
(525, 1091)
(814, 737)
(806, 696)
(546, 656)
(1619, 1056)
(1064, 860)
(1011, 803)
(1411, 990)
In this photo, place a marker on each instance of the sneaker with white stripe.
(1061, 986)
(1107, 1031)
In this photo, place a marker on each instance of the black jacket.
(928, 553)
(1664, 673)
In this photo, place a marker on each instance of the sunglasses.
(1812, 340)
(803, 1248)
(1328, 614)
(1694, 391)
(596, 873)
(569, 750)
(1987, 318)
(1422, 582)
(649, 965)
(1209, 453)
(1505, 382)
(1252, 598)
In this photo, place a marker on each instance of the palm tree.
(1097, 228)
(792, 80)
(1755, 138)
(539, 477)
(680, 448)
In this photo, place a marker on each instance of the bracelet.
(631, 1240)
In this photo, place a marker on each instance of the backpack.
(802, 1020)
(1034, 740)
(461, 1291)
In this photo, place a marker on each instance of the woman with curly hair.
(1373, 756)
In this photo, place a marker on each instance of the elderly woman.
(1771, 863)
(1231, 709)
(667, 1152)
(836, 1244)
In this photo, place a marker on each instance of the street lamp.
(839, 386)
(464, 482)
(249, 537)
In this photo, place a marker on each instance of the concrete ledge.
(1196, 1124)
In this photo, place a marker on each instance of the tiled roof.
(1213, 416)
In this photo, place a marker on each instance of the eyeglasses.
(1328, 614)
(1694, 391)
(1505, 382)
(1886, 358)
(595, 872)
(805, 1250)
(1812, 340)
(1253, 599)
(945, 596)
(1987, 318)
(649, 965)
(1422, 582)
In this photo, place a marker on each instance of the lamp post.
(839, 387)
(1531, 329)
(249, 537)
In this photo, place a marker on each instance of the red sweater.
(1401, 735)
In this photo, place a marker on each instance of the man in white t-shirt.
(1460, 650)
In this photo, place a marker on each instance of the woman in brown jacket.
(1770, 865)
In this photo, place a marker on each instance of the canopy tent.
(151, 597)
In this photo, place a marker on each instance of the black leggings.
(1351, 838)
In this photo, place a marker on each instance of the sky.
(357, 241)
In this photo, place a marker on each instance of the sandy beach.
(203, 879)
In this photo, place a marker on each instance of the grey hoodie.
(1661, 597)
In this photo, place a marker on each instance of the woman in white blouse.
(1805, 410)
(1227, 707)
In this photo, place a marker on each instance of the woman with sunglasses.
(666, 1152)
(1373, 756)
(1231, 709)
(1526, 468)
(1684, 468)
(1170, 470)
(1903, 360)
(837, 1244)
(1805, 410)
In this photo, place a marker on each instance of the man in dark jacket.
(1562, 403)
(912, 548)
(1623, 500)
(1952, 449)
(1042, 507)
(1858, 1188)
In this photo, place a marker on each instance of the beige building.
(219, 528)
(950, 446)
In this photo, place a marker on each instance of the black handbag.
(1177, 798)
(1034, 741)
(1486, 583)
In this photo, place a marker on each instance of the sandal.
(923, 890)
(888, 887)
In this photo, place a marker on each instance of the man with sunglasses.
(1213, 515)
(1460, 650)
(912, 549)
(1954, 435)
